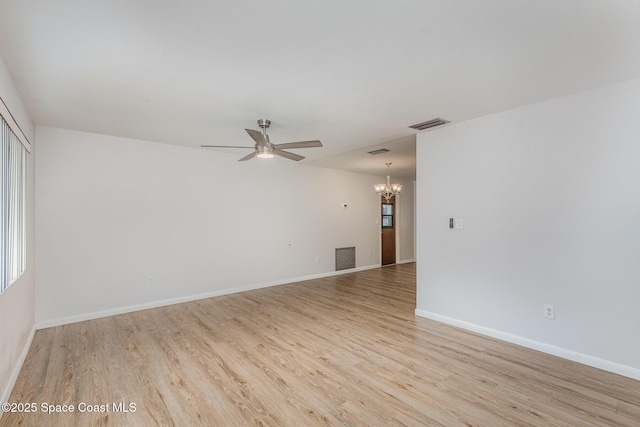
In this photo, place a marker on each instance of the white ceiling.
(350, 73)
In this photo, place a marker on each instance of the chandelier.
(388, 190)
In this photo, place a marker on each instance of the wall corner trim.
(584, 359)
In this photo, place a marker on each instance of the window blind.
(13, 156)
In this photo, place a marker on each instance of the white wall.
(17, 302)
(407, 222)
(550, 198)
(112, 211)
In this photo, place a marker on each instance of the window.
(387, 215)
(13, 165)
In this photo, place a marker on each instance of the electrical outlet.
(549, 311)
(317, 259)
(149, 280)
(369, 253)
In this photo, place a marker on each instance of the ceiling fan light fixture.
(264, 149)
(264, 152)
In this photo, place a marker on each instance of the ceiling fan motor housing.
(264, 123)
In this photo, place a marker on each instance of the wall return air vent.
(429, 124)
(345, 258)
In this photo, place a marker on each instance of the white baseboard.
(406, 261)
(6, 393)
(128, 309)
(585, 359)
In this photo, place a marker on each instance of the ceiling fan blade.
(248, 156)
(224, 146)
(300, 144)
(287, 155)
(258, 137)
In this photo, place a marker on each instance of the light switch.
(458, 223)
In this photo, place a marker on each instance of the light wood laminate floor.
(345, 350)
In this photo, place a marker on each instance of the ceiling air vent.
(379, 151)
(429, 124)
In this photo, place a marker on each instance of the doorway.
(388, 224)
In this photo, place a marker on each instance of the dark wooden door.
(388, 226)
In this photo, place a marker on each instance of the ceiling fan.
(265, 149)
